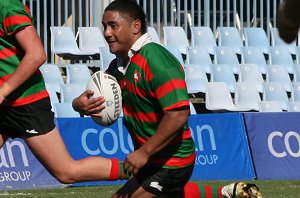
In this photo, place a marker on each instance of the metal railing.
(185, 13)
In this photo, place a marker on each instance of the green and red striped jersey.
(15, 16)
(153, 83)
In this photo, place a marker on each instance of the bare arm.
(86, 105)
(34, 57)
(167, 130)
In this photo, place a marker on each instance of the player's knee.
(65, 177)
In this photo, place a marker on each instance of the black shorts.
(27, 120)
(163, 181)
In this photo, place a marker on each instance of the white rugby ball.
(106, 85)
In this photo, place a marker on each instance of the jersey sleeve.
(15, 16)
(168, 84)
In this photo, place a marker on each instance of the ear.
(136, 26)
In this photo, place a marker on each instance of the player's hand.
(135, 161)
(86, 105)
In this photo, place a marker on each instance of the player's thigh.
(3, 138)
(50, 149)
(132, 189)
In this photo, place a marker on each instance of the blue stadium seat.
(223, 73)
(176, 36)
(218, 97)
(250, 73)
(77, 74)
(65, 110)
(253, 55)
(90, 39)
(281, 56)
(204, 37)
(105, 57)
(70, 91)
(274, 91)
(63, 44)
(176, 52)
(246, 96)
(52, 75)
(195, 79)
(257, 37)
(153, 33)
(277, 41)
(198, 55)
(230, 37)
(278, 73)
(226, 55)
(269, 106)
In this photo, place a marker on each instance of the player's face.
(118, 32)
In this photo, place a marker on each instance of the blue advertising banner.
(19, 169)
(275, 144)
(222, 149)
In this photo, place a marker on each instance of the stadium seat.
(274, 91)
(281, 56)
(278, 42)
(204, 37)
(218, 97)
(269, 106)
(65, 110)
(52, 75)
(90, 39)
(226, 55)
(175, 35)
(230, 37)
(295, 94)
(176, 52)
(223, 73)
(246, 96)
(198, 55)
(296, 76)
(105, 58)
(278, 73)
(192, 109)
(257, 37)
(298, 54)
(70, 91)
(63, 44)
(52, 94)
(293, 106)
(253, 55)
(153, 33)
(77, 74)
(195, 79)
(250, 73)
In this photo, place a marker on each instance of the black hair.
(130, 8)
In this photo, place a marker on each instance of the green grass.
(270, 189)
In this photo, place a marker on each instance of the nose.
(107, 32)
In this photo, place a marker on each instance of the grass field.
(270, 189)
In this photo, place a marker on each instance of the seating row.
(196, 77)
(225, 55)
(247, 97)
(225, 37)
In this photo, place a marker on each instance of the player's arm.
(86, 105)
(169, 127)
(34, 57)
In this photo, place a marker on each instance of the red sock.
(117, 171)
(194, 190)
